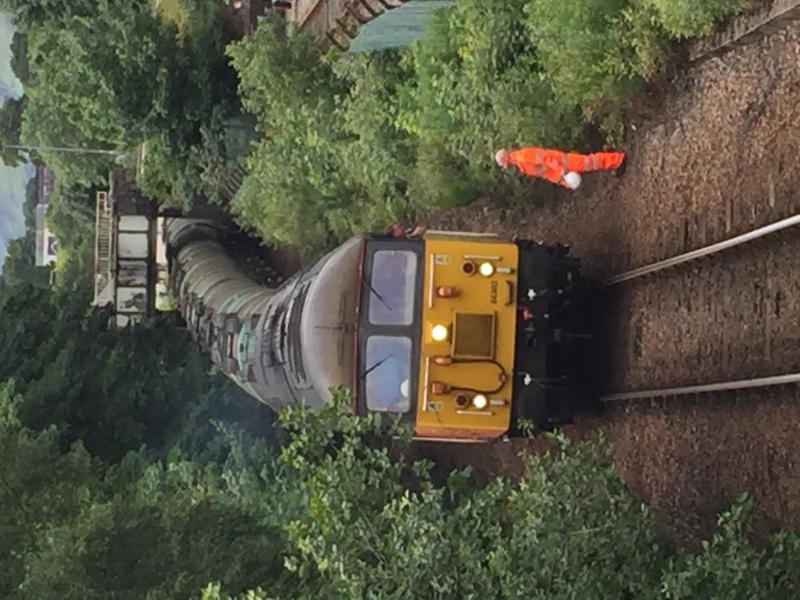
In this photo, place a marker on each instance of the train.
(468, 337)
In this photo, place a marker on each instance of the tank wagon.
(466, 336)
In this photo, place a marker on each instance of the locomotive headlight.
(439, 333)
(486, 269)
(480, 401)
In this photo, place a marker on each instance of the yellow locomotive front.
(467, 343)
(458, 333)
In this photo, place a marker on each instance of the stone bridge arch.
(363, 25)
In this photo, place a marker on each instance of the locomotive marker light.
(439, 333)
(439, 388)
(480, 401)
(486, 269)
(446, 291)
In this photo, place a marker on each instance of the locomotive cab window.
(392, 287)
(389, 326)
(388, 373)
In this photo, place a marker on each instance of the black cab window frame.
(413, 331)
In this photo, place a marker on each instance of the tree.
(331, 161)
(142, 82)
(73, 527)
(123, 92)
(10, 129)
(19, 56)
(362, 522)
(39, 486)
(341, 514)
(19, 266)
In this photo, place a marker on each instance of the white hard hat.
(573, 180)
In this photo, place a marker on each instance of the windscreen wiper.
(375, 366)
(368, 283)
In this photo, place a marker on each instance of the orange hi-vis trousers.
(552, 165)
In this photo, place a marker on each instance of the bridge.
(127, 265)
(339, 22)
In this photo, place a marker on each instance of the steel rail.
(703, 252)
(743, 384)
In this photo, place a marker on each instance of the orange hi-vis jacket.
(552, 165)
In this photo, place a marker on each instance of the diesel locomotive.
(467, 336)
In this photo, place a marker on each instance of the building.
(45, 184)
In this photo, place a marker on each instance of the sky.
(12, 181)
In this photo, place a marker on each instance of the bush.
(363, 524)
(342, 514)
(690, 18)
(580, 50)
(478, 87)
(331, 161)
(440, 180)
(731, 567)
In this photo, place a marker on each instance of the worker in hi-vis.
(559, 167)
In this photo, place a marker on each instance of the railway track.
(727, 314)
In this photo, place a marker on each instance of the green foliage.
(180, 156)
(341, 515)
(123, 92)
(142, 80)
(76, 374)
(582, 51)
(308, 179)
(39, 485)
(729, 566)
(375, 155)
(19, 56)
(690, 18)
(10, 128)
(350, 143)
(72, 527)
(362, 523)
(19, 265)
(32, 13)
(374, 526)
(70, 217)
(478, 87)
(175, 527)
